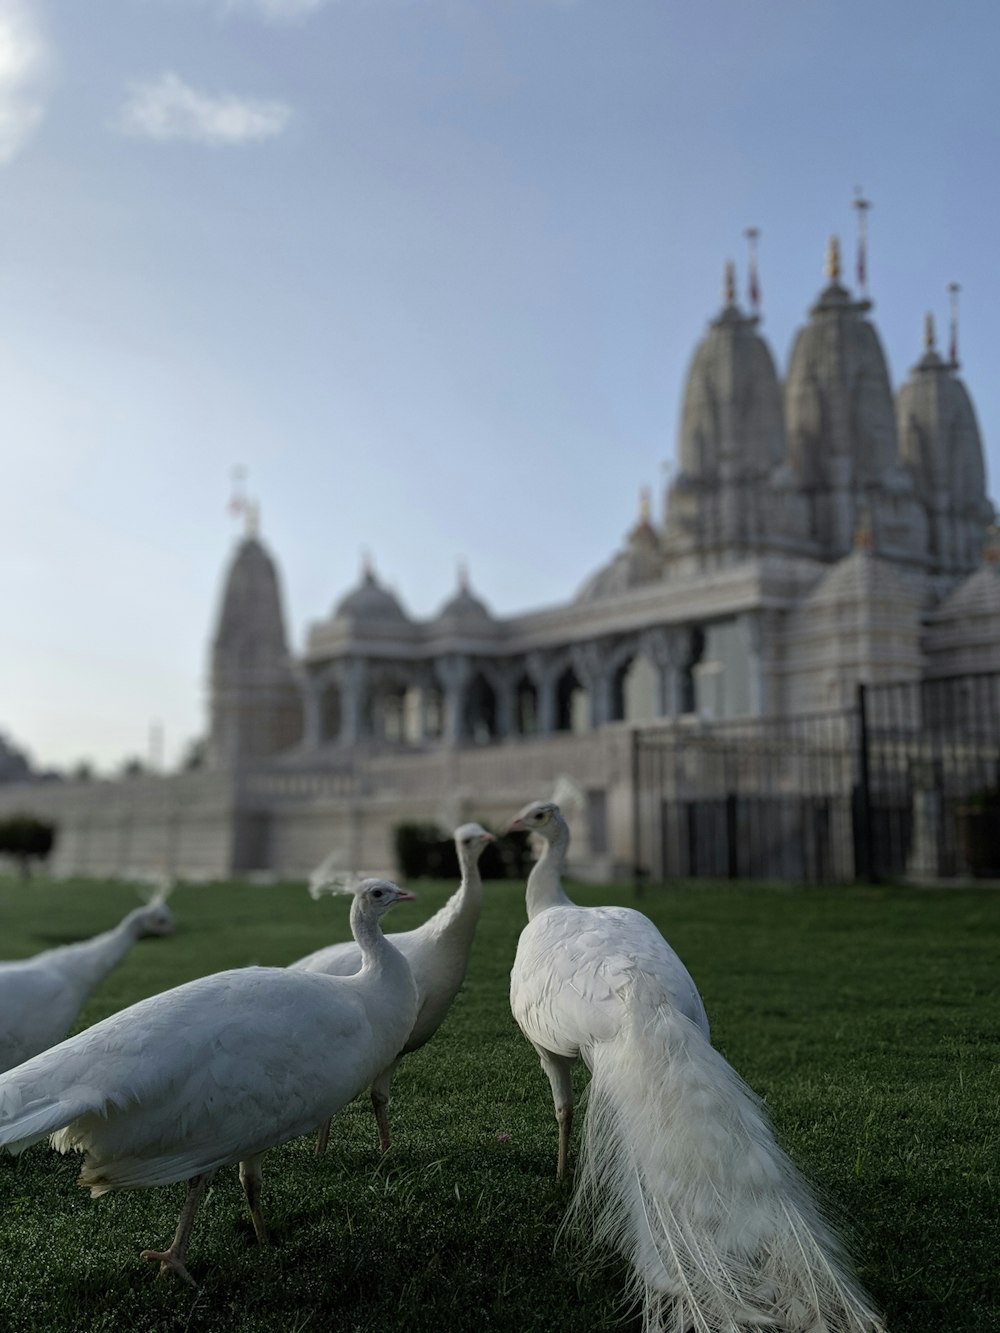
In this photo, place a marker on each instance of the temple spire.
(729, 284)
(953, 291)
(929, 338)
(833, 259)
(862, 205)
(753, 281)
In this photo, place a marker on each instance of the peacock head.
(542, 817)
(470, 839)
(376, 896)
(156, 919)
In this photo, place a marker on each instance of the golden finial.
(864, 532)
(929, 339)
(729, 289)
(833, 259)
(463, 575)
(367, 566)
(645, 505)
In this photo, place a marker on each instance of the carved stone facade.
(819, 531)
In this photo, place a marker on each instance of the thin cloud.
(24, 75)
(278, 11)
(168, 108)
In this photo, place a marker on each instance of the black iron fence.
(904, 784)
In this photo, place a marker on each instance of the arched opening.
(385, 713)
(479, 722)
(525, 707)
(689, 700)
(330, 713)
(617, 706)
(433, 706)
(572, 703)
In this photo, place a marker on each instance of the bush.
(26, 838)
(422, 851)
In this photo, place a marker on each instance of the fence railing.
(904, 784)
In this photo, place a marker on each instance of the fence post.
(864, 867)
(639, 872)
(732, 835)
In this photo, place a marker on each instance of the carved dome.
(732, 411)
(370, 603)
(464, 609)
(939, 436)
(838, 398)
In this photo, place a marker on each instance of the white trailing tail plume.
(679, 1171)
(344, 881)
(153, 887)
(330, 875)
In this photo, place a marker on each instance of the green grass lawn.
(868, 1019)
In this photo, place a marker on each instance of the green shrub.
(421, 852)
(25, 838)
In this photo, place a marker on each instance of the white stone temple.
(821, 529)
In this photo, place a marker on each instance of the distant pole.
(953, 291)
(862, 205)
(753, 280)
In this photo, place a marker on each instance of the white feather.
(679, 1170)
(438, 955)
(41, 996)
(217, 1070)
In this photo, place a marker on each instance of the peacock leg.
(251, 1178)
(172, 1260)
(380, 1105)
(323, 1137)
(559, 1071)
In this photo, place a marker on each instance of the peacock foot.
(170, 1261)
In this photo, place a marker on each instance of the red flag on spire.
(953, 290)
(753, 282)
(862, 205)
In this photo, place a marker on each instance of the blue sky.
(433, 271)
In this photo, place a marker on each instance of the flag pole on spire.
(238, 501)
(953, 291)
(862, 205)
(753, 281)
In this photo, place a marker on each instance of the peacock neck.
(377, 954)
(86, 964)
(545, 881)
(460, 914)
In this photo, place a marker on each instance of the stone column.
(351, 676)
(590, 662)
(668, 650)
(311, 690)
(762, 636)
(454, 672)
(539, 667)
(506, 678)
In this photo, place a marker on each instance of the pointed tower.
(939, 440)
(255, 706)
(732, 440)
(841, 424)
